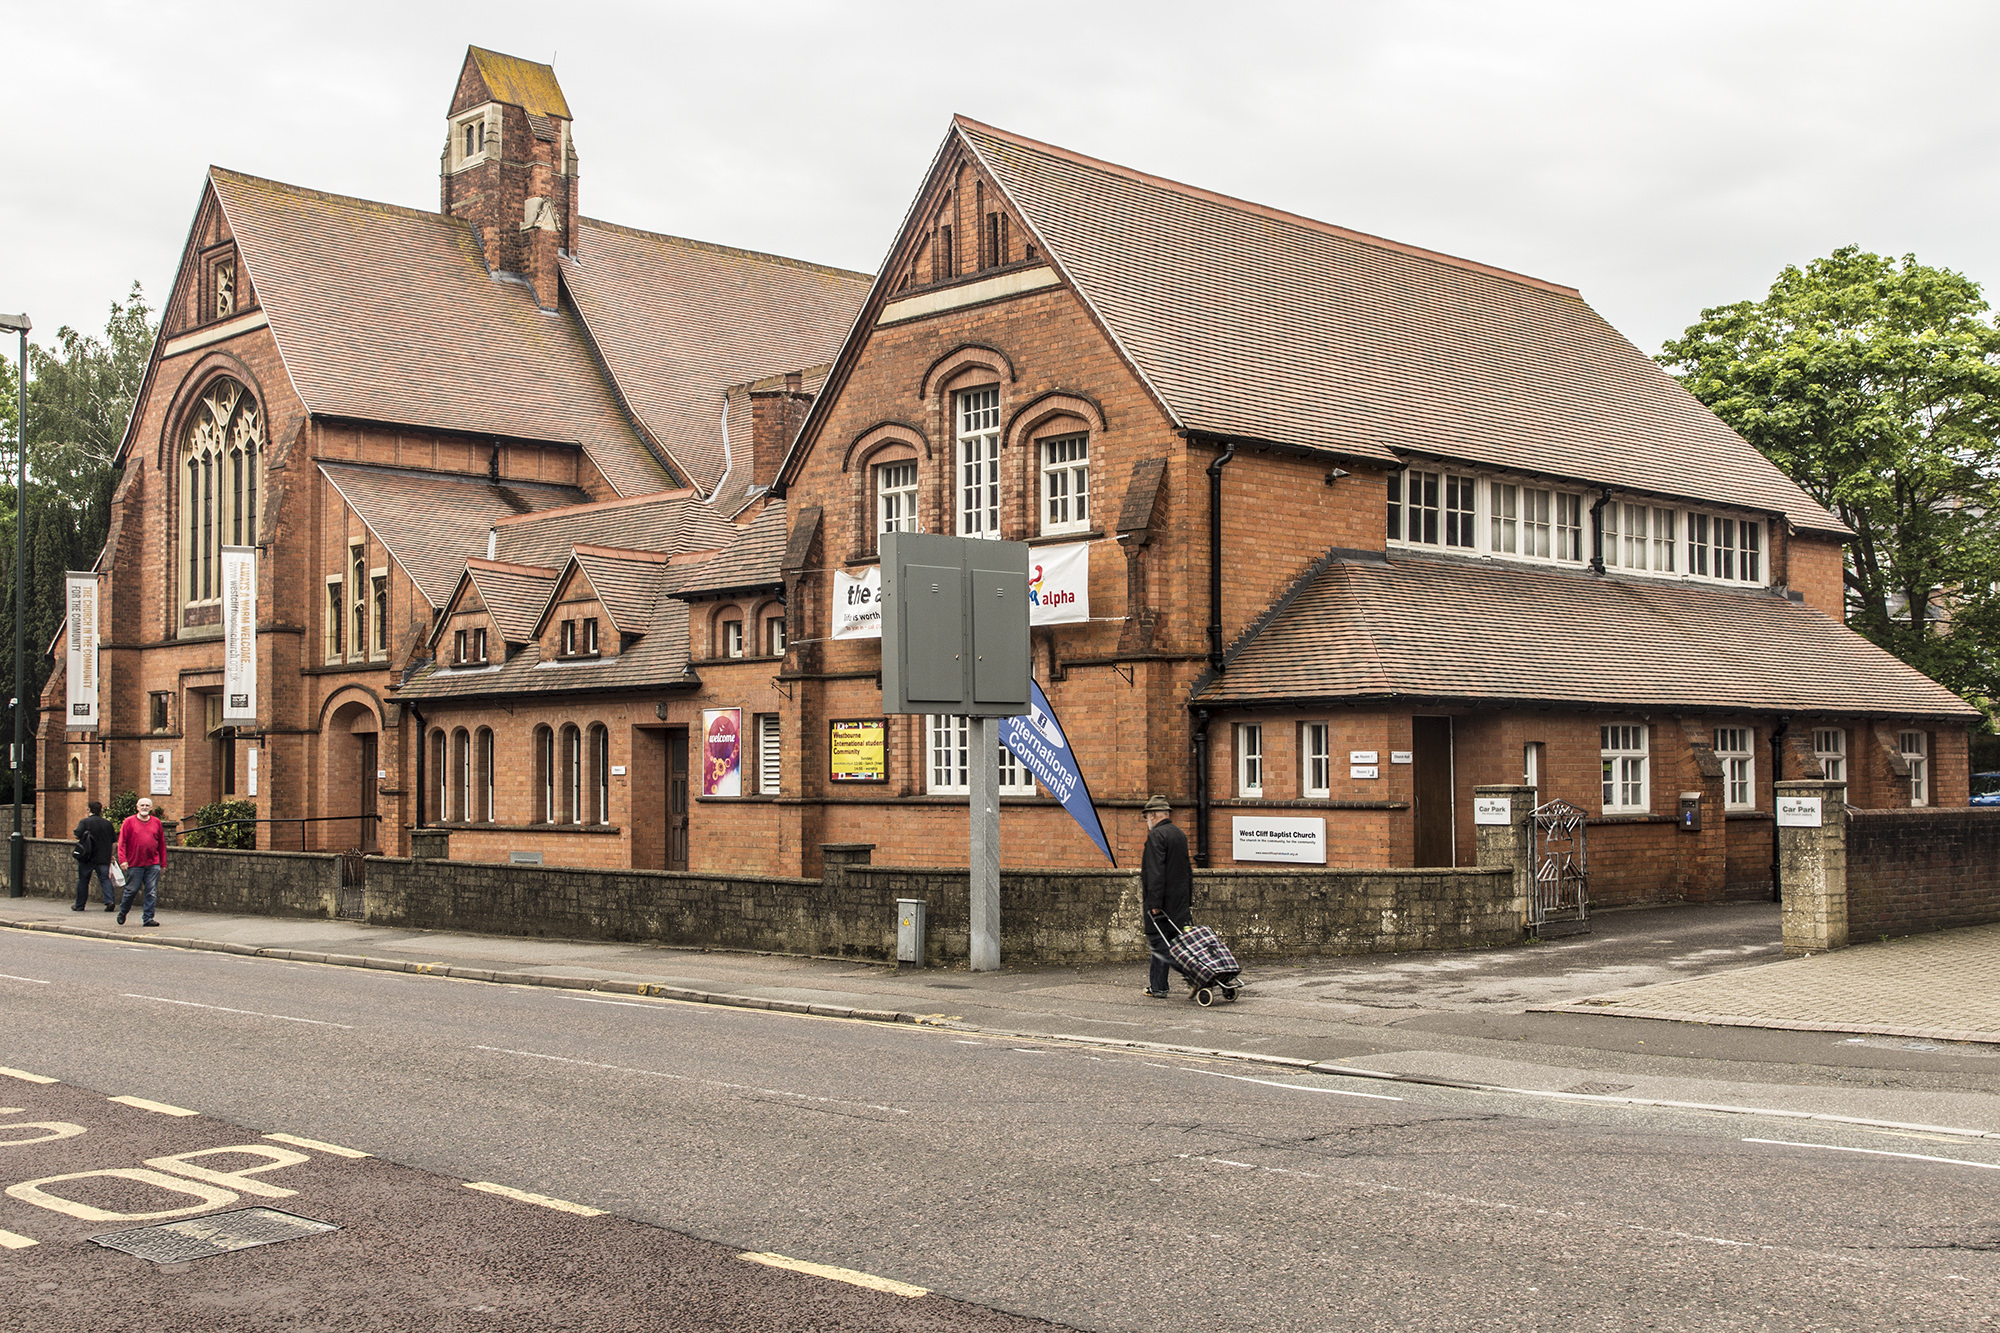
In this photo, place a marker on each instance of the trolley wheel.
(1204, 996)
(1229, 993)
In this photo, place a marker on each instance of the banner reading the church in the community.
(239, 634)
(81, 664)
(1037, 740)
(1059, 584)
(857, 604)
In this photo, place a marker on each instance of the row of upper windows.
(1062, 477)
(1516, 521)
(1624, 755)
(355, 622)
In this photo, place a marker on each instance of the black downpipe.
(1215, 556)
(1201, 788)
(1777, 776)
(422, 739)
(1597, 532)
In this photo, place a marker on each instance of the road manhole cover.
(1598, 1089)
(217, 1233)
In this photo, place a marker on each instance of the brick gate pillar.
(1812, 864)
(1509, 845)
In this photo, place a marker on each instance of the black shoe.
(109, 908)
(121, 918)
(77, 908)
(149, 923)
(1157, 995)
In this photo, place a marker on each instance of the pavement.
(1719, 966)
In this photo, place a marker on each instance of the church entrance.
(677, 798)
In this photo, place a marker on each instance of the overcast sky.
(1661, 157)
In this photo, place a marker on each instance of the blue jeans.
(1156, 940)
(84, 870)
(139, 879)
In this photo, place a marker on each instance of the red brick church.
(562, 526)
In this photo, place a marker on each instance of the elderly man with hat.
(1166, 878)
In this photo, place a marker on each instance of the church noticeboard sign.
(857, 751)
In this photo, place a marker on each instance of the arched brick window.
(221, 459)
(545, 775)
(482, 776)
(572, 775)
(600, 774)
(461, 774)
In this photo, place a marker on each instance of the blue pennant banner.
(1037, 740)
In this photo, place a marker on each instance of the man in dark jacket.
(1167, 879)
(96, 840)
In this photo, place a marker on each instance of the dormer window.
(459, 640)
(479, 645)
(590, 636)
(569, 638)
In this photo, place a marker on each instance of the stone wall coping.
(174, 851)
(679, 876)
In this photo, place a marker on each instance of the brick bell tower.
(509, 166)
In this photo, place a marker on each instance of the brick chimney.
(775, 417)
(509, 166)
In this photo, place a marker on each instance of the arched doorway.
(352, 739)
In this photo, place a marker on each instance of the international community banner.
(81, 640)
(239, 634)
(1037, 740)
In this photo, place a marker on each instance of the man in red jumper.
(142, 850)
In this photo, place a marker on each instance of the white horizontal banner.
(1274, 838)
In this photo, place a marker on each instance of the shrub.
(242, 837)
(123, 804)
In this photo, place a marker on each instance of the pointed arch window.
(222, 452)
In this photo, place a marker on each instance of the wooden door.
(367, 838)
(1436, 844)
(677, 798)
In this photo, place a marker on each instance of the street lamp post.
(17, 848)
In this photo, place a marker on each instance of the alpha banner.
(1059, 584)
(239, 634)
(1038, 741)
(81, 638)
(857, 604)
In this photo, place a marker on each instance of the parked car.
(1986, 789)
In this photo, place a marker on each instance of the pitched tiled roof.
(679, 322)
(389, 314)
(1251, 322)
(672, 522)
(655, 660)
(513, 594)
(433, 521)
(1488, 632)
(754, 557)
(521, 83)
(626, 583)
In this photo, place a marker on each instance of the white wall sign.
(857, 604)
(1799, 812)
(1402, 756)
(1059, 584)
(1492, 810)
(1270, 838)
(250, 771)
(618, 770)
(80, 643)
(1363, 757)
(1363, 771)
(163, 773)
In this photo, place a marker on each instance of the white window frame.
(947, 745)
(1625, 749)
(1249, 759)
(732, 637)
(1316, 759)
(1830, 748)
(770, 754)
(359, 610)
(1461, 512)
(774, 636)
(589, 642)
(378, 612)
(896, 496)
(479, 643)
(1496, 516)
(1736, 747)
(334, 632)
(568, 639)
(1065, 483)
(1503, 535)
(977, 481)
(1915, 747)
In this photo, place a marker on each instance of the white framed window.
(732, 638)
(774, 636)
(1728, 549)
(1066, 484)
(1914, 746)
(600, 774)
(569, 638)
(1735, 747)
(947, 750)
(336, 618)
(590, 635)
(1505, 502)
(1461, 504)
(1623, 751)
(378, 612)
(979, 463)
(1537, 524)
(770, 753)
(1395, 489)
(473, 136)
(460, 645)
(357, 598)
(1665, 534)
(1830, 748)
(1249, 759)
(479, 644)
(1316, 759)
(896, 497)
(1422, 528)
(1493, 516)
(1569, 526)
(483, 784)
(1531, 764)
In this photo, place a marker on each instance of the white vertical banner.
(239, 634)
(81, 637)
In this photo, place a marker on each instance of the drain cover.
(217, 1233)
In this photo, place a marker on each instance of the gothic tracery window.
(221, 455)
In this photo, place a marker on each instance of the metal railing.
(301, 821)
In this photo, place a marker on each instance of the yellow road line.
(161, 1107)
(25, 1076)
(315, 1145)
(543, 1200)
(10, 1241)
(848, 1275)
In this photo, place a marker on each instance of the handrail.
(281, 819)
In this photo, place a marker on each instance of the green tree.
(1875, 385)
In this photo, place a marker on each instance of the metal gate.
(354, 885)
(1562, 865)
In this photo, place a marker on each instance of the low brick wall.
(1910, 871)
(206, 879)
